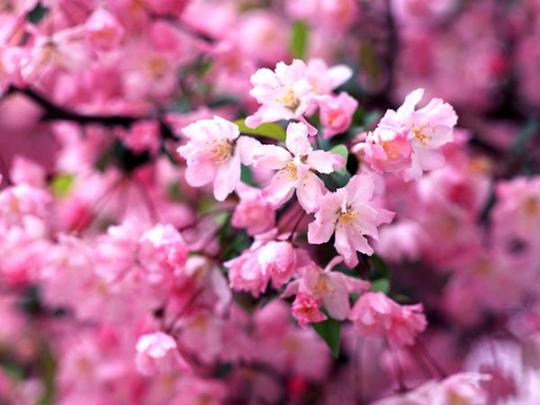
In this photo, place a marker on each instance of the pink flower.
(162, 250)
(253, 212)
(324, 79)
(214, 154)
(246, 274)
(329, 288)
(156, 353)
(460, 388)
(336, 114)
(332, 288)
(386, 149)
(305, 309)
(374, 314)
(103, 31)
(296, 168)
(425, 130)
(350, 213)
(285, 93)
(518, 209)
(331, 15)
(255, 267)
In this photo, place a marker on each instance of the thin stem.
(424, 351)
(398, 370)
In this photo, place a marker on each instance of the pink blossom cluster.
(269, 202)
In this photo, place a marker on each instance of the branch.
(55, 112)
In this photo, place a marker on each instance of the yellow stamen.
(390, 149)
(347, 217)
(420, 135)
(289, 100)
(291, 170)
(222, 151)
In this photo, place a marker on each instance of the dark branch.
(55, 112)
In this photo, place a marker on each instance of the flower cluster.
(269, 202)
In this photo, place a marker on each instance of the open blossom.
(214, 155)
(285, 93)
(409, 140)
(103, 31)
(324, 79)
(387, 149)
(296, 168)
(349, 212)
(374, 314)
(328, 288)
(337, 113)
(158, 352)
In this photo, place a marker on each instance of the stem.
(423, 350)
(55, 112)
(398, 370)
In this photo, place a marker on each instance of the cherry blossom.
(157, 352)
(350, 213)
(214, 154)
(296, 168)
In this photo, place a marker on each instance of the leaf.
(380, 267)
(330, 331)
(62, 184)
(299, 40)
(381, 285)
(246, 176)
(342, 151)
(38, 13)
(267, 130)
(525, 136)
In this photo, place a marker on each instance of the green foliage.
(381, 284)
(246, 175)
(268, 130)
(344, 152)
(299, 41)
(38, 13)
(330, 331)
(380, 277)
(62, 184)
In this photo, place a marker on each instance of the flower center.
(291, 170)
(420, 135)
(289, 100)
(348, 216)
(157, 66)
(390, 149)
(222, 151)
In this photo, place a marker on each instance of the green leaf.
(381, 284)
(62, 184)
(525, 136)
(380, 267)
(299, 39)
(246, 176)
(38, 13)
(267, 130)
(330, 331)
(342, 151)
